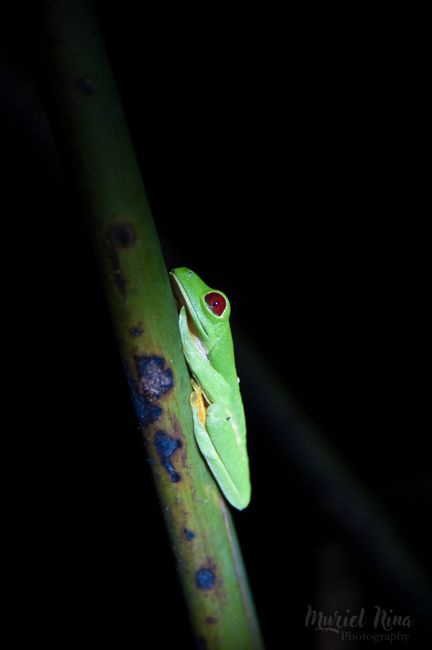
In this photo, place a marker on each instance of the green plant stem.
(90, 129)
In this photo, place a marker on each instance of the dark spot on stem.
(189, 534)
(154, 378)
(166, 447)
(205, 579)
(119, 236)
(146, 411)
(136, 331)
(111, 250)
(122, 235)
(121, 282)
(211, 620)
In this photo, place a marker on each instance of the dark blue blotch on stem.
(189, 534)
(136, 331)
(205, 579)
(146, 411)
(155, 379)
(166, 447)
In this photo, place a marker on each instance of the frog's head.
(206, 308)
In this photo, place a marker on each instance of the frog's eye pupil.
(216, 302)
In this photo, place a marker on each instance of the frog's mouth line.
(184, 301)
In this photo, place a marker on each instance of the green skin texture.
(208, 348)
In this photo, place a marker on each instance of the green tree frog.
(217, 407)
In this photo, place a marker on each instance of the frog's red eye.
(216, 302)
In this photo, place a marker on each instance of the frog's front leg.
(211, 382)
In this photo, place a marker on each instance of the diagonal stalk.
(90, 129)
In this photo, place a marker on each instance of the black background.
(282, 156)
